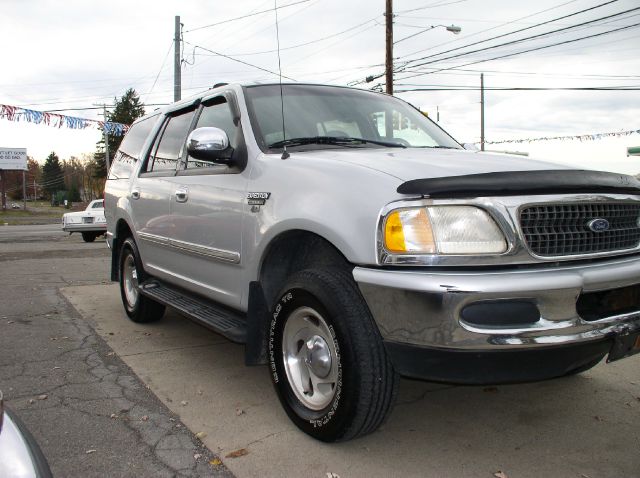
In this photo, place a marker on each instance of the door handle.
(182, 194)
(135, 193)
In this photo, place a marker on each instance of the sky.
(76, 54)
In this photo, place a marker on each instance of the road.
(20, 233)
(88, 410)
(581, 426)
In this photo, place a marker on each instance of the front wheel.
(327, 360)
(138, 307)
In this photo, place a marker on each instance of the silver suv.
(353, 240)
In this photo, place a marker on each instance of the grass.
(38, 212)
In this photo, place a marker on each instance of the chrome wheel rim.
(130, 277)
(310, 358)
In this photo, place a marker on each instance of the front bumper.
(419, 315)
(424, 308)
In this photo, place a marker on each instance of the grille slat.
(562, 229)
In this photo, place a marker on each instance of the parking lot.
(63, 334)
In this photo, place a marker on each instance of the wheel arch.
(121, 232)
(292, 251)
(287, 253)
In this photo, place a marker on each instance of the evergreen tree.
(52, 177)
(127, 109)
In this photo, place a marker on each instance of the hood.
(420, 163)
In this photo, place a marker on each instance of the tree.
(127, 109)
(52, 177)
(34, 175)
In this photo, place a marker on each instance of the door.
(207, 209)
(151, 194)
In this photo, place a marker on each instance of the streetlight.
(389, 43)
(455, 29)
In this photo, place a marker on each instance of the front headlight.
(442, 230)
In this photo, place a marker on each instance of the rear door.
(151, 195)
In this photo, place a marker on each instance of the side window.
(168, 147)
(216, 114)
(131, 147)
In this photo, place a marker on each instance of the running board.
(231, 324)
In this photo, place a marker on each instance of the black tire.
(138, 307)
(89, 236)
(360, 391)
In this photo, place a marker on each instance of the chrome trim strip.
(190, 248)
(212, 252)
(153, 238)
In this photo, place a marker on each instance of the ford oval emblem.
(598, 225)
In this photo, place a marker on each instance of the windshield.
(320, 117)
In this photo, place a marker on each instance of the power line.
(516, 88)
(161, 68)
(373, 77)
(530, 50)
(305, 43)
(238, 61)
(98, 107)
(432, 5)
(247, 16)
(513, 42)
(511, 22)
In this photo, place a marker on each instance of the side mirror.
(209, 144)
(470, 147)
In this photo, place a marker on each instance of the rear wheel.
(138, 307)
(89, 236)
(327, 359)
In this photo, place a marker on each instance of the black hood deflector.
(518, 183)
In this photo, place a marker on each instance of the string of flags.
(579, 137)
(15, 113)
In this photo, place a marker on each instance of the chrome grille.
(563, 229)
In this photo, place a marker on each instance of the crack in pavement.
(93, 399)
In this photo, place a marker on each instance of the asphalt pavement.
(90, 413)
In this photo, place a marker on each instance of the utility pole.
(3, 173)
(481, 111)
(24, 189)
(106, 139)
(389, 49)
(177, 80)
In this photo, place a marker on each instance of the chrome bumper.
(424, 308)
(80, 227)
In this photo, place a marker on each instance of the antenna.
(285, 154)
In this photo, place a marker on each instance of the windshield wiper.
(332, 140)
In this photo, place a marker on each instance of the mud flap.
(255, 349)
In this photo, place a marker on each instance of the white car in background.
(90, 222)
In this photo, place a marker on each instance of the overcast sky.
(78, 53)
